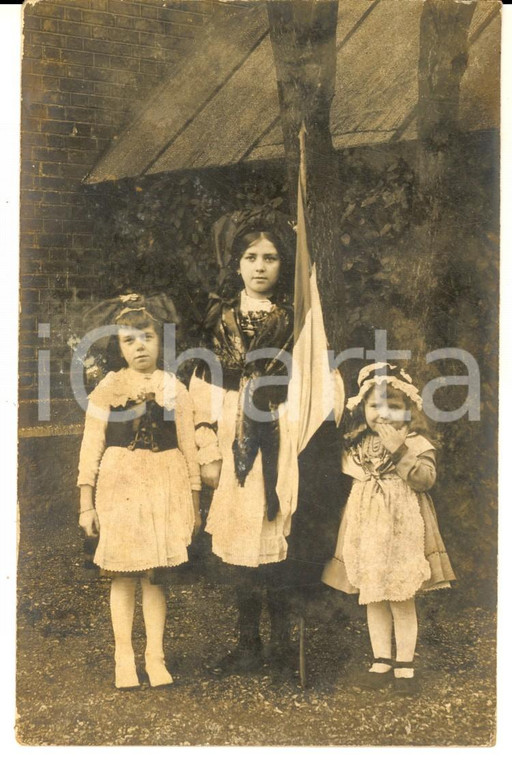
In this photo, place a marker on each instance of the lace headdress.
(382, 372)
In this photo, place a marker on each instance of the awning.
(221, 107)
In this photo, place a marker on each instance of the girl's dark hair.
(138, 319)
(284, 288)
(354, 426)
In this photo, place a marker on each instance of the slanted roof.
(221, 106)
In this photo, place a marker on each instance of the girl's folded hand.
(210, 473)
(89, 522)
(390, 436)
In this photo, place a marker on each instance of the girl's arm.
(185, 431)
(207, 401)
(418, 471)
(91, 451)
(88, 518)
(184, 415)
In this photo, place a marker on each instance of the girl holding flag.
(252, 460)
(242, 431)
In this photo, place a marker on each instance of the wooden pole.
(303, 676)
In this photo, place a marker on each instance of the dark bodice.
(147, 431)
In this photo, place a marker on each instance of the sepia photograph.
(258, 355)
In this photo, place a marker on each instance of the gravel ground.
(66, 695)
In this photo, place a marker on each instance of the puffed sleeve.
(418, 470)
(93, 441)
(207, 401)
(184, 415)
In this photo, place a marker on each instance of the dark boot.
(247, 657)
(282, 654)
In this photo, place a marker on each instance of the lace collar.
(247, 303)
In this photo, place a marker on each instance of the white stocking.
(122, 606)
(406, 634)
(154, 611)
(380, 624)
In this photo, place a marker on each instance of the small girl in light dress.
(389, 545)
(142, 464)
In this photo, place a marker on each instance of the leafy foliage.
(159, 230)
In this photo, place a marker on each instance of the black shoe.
(374, 681)
(406, 686)
(283, 657)
(240, 660)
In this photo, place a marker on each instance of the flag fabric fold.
(314, 390)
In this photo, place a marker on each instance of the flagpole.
(301, 211)
(302, 164)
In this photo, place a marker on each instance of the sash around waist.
(376, 476)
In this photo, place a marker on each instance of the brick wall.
(88, 66)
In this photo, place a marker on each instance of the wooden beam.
(221, 50)
(213, 140)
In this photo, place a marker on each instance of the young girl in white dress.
(139, 481)
(389, 546)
